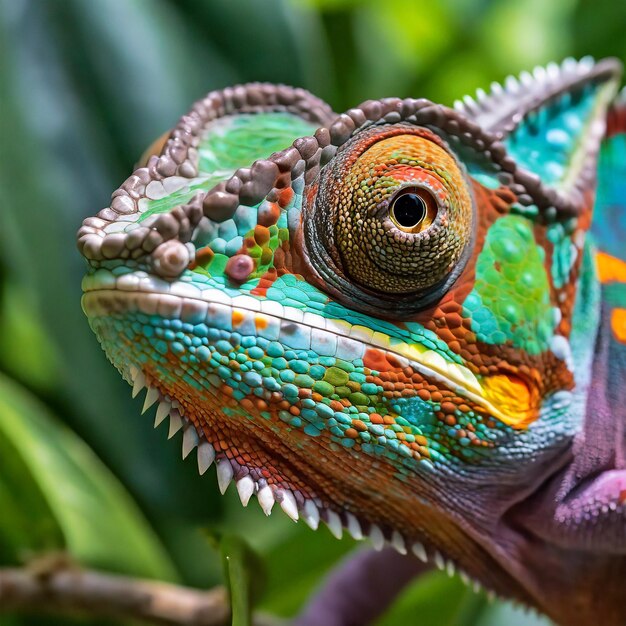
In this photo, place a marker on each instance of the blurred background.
(85, 86)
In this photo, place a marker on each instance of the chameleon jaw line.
(311, 511)
(190, 303)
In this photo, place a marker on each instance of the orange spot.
(618, 324)
(203, 257)
(261, 234)
(378, 360)
(610, 269)
(270, 216)
(424, 394)
(260, 322)
(247, 404)
(285, 196)
(238, 317)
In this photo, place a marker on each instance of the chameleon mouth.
(109, 298)
(311, 511)
(503, 396)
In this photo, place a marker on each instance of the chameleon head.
(371, 326)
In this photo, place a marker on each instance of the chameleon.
(406, 321)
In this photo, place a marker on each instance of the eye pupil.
(408, 210)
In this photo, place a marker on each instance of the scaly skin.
(448, 379)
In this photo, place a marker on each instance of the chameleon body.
(401, 321)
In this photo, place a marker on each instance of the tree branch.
(70, 590)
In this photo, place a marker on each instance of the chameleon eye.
(413, 210)
(390, 225)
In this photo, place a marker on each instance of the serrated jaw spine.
(310, 511)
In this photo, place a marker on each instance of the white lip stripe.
(428, 363)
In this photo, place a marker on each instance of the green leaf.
(437, 599)
(50, 477)
(24, 346)
(244, 575)
(297, 565)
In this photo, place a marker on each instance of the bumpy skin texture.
(399, 324)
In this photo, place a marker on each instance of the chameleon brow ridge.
(179, 157)
(307, 155)
(316, 151)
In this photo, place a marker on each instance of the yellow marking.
(515, 402)
(456, 373)
(507, 398)
(238, 317)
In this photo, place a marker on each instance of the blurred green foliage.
(85, 85)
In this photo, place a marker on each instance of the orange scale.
(247, 404)
(284, 197)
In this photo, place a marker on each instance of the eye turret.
(392, 218)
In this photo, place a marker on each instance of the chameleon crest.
(391, 320)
